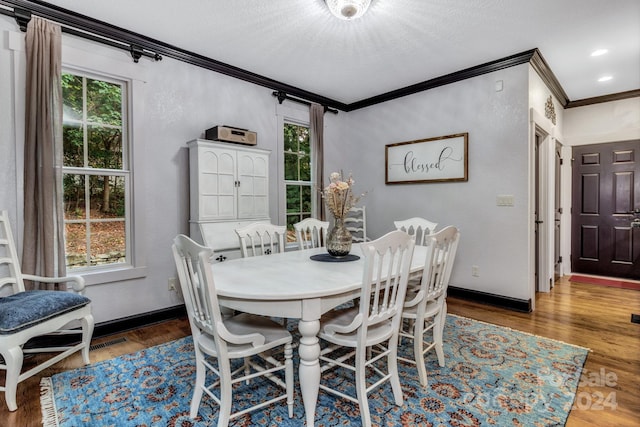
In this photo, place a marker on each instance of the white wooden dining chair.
(261, 239)
(419, 228)
(356, 223)
(228, 339)
(425, 308)
(311, 233)
(374, 322)
(28, 314)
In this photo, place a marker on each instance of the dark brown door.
(606, 191)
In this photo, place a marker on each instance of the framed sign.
(441, 159)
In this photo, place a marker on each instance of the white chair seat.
(344, 317)
(245, 324)
(430, 310)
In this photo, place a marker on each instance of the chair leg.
(13, 360)
(198, 387)
(87, 333)
(361, 387)
(226, 389)
(438, 331)
(288, 376)
(392, 363)
(418, 351)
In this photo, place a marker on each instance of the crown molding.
(499, 64)
(542, 68)
(605, 98)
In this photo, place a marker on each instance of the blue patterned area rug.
(493, 376)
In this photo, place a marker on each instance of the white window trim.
(75, 59)
(295, 113)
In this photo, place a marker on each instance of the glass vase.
(338, 239)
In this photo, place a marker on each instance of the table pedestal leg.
(309, 351)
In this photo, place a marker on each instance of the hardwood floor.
(587, 315)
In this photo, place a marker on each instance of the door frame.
(542, 187)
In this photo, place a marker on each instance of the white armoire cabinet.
(229, 187)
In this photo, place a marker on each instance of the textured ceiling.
(396, 44)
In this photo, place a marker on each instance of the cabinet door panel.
(217, 184)
(252, 174)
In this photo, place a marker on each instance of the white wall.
(493, 238)
(606, 122)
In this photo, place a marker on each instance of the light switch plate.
(504, 200)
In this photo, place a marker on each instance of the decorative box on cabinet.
(229, 189)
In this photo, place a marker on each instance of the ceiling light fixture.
(599, 52)
(348, 9)
(605, 79)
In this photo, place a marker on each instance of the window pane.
(290, 167)
(290, 140)
(104, 102)
(105, 147)
(76, 245)
(73, 144)
(305, 197)
(305, 144)
(305, 168)
(74, 197)
(293, 198)
(72, 98)
(108, 244)
(107, 196)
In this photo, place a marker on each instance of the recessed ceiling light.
(599, 52)
(605, 78)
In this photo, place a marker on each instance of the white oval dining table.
(292, 285)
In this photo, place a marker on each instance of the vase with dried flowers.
(339, 199)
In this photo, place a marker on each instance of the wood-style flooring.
(591, 316)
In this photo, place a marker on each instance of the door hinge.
(560, 211)
(561, 161)
(559, 259)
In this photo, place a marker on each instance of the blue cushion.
(25, 309)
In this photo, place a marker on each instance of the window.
(96, 172)
(297, 175)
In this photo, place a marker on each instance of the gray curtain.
(316, 113)
(43, 245)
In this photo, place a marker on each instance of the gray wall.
(493, 238)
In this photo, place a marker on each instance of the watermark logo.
(597, 400)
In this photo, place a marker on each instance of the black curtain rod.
(282, 96)
(23, 16)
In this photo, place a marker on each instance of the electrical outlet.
(475, 271)
(173, 283)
